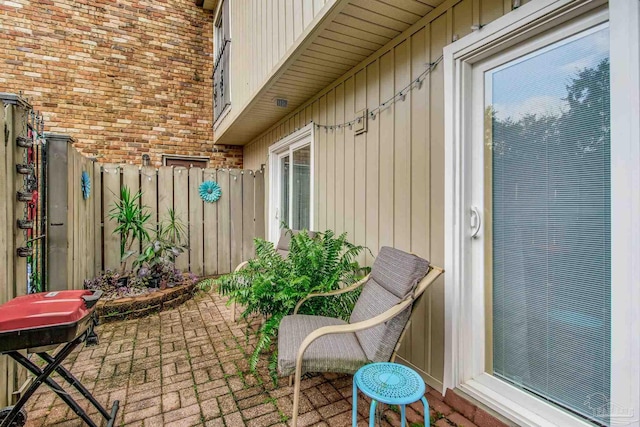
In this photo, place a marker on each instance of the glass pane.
(549, 178)
(284, 190)
(301, 212)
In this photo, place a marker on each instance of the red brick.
(460, 404)
(484, 419)
(128, 77)
(460, 421)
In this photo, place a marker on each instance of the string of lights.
(232, 172)
(400, 95)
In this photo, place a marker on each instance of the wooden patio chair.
(373, 334)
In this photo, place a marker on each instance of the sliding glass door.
(542, 188)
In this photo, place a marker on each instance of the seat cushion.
(397, 271)
(329, 353)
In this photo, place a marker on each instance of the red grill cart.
(38, 323)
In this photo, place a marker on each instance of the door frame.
(300, 138)
(464, 304)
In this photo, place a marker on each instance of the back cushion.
(285, 240)
(398, 271)
(394, 275)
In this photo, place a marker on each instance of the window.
(221, 93)
(291, 183)
(538, 325)
(186, 161)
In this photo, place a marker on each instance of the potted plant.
(159, 255)
(271, 286)
(131, 219)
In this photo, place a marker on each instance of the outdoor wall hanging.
(210, 191)
(85, 185)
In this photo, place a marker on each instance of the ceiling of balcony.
(353, 30)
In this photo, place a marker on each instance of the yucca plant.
(131, 218)
(271, 286)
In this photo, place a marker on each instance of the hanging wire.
(400, 95)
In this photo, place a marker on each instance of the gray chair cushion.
(397, 271)
(330, 353)
(393, 276)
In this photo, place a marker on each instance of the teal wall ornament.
(210, 191)
(85, 185)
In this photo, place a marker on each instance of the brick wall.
(123, 77)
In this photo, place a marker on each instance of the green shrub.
(271, 286)
(131, 219)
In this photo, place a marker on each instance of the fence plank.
(17, 375)
(71, 241)
(4, 226)
(224, 228)
(96, 189)
(259, 201)
(131, 179)
(76, 226)
(165, 192)
(181, 207)
(4, 245)
(149, 187)
(9, 214)
(110, 196)
(196, 238)
(210, 219)
(248, 215)
(85, 252)
(92, 219)
(235, 199)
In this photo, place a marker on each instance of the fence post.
(57, 211)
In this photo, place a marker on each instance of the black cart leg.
(71, 379)
(66, 398)
(48, 370)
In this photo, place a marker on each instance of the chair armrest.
(432, 275)
(240, 266)
(351, 327)
(335, 292)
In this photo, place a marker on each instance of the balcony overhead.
(207, 4)
(347, 33)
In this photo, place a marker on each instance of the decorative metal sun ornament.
(210, 191)
(85, 185)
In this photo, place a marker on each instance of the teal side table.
(389, 383)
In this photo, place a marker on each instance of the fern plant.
(271, 285)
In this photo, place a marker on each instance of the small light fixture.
(146, 160)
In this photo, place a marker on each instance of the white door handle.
(476, 222)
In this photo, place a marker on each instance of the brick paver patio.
(188, 367)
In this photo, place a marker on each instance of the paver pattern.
(188, 367)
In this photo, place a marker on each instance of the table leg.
(403, 415)
(354, 403)
(427, 414)
(372, 413)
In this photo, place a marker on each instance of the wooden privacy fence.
(220, 234)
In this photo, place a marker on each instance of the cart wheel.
(20, 419)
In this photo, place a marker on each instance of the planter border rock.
(144, 305)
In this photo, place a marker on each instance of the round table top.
(390, 383)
